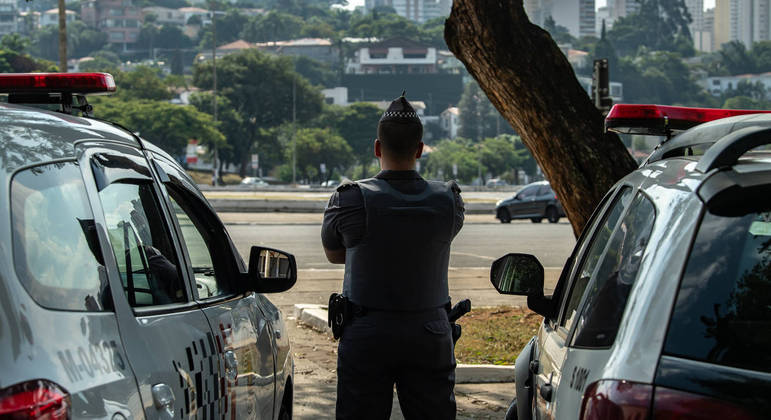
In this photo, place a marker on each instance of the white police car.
(663, 310)
(121, 293)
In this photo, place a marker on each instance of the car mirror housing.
(270, 270)
(517, 274)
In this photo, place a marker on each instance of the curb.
(315, 316)
(304, 206)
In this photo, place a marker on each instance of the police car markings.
(101, 358)
(578, 378)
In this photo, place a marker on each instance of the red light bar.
(661, 120)
(82, 83)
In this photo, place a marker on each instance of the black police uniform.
(396, 228)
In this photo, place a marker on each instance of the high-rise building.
(746, 21)
(415, 10)
(622, 8)
(578, 16)
(8, 16)
(120, 19)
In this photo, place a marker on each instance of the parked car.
(663, 308)
(121, 293)
(496, 182)
(331, 183)
(253, 181)
(534, 201)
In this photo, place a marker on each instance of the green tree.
(103, 61)
(383, 25)
(735, 59)
(357, 124)
(15, 43)
(746, 102)
(273, 26)
(316, 146)
(317, 73)
(559, 33)
(660, 25)
(230, 123)
(166, 125)
(761, 54)
(478, 118)
(260, 87)
(498, 155)
(143, 82)
(459, 152)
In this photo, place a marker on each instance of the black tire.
(536, 219)
(504, 216)
(285, 413)
(551, 215)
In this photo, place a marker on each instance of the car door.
(170, 346)
(522, 206)
(603, 304)
(214, 270)
(552, 339)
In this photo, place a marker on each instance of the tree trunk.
(62, 37)
(531, 83)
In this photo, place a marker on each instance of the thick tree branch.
(532, 85)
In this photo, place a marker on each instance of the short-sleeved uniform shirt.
(345, 219)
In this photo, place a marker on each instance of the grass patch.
(204, 177)
(495, 335)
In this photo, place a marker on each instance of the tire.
(551, 215)
(285, 412)
(504, 216)
(536, 219)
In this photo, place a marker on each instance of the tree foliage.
(478, 117)
(316, 146)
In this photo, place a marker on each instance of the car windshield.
(723, 309)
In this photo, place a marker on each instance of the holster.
(454, 313)
(339, 313)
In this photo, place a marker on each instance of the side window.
(594, 254)
(528, 192)
(607, 296)
(56, 251)
(209, 259)
(545, 190)
(143, 250)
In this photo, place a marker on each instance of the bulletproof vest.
(401, 262)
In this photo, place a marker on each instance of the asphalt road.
(477, 245)
(472, 253)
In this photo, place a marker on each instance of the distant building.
(393, 56)
(51, 17)
(165, 15)
(120, 19)
(716, 85)
(415, 10)
(603, 15)
(318, 49)
(28, 22)
(336, 96)
(746, 21)
(578, 16)
(449, 121)
(203, 14)
(623, 8)
(226, 49)
(8, 13)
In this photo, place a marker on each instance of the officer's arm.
(335, 256)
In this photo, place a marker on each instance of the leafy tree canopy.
(660, 25)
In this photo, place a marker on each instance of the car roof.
(33, 135)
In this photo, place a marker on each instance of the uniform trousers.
(412, 350)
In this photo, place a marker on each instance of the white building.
(718, 84)
(393, 56)
(165, 15)
(336, 95)
(578, 16)
(415, 10)
(51, 17)
(8, 17)
(622, 8)
(449, 121)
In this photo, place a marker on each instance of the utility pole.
(215, 163)
(294, 130)
(62, 37)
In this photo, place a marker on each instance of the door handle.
(163, 399)
(231, 365)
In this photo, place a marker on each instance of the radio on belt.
(66, 89)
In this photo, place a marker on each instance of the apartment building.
(746, 21)
(393, 56)
(120, 19)
(8, 17)
(415, 10)
(578, 16)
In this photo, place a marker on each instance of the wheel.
(536, 219)
(285, 412)
(551, 215)
(504, 216)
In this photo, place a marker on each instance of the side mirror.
(270, 270)
(517, 274)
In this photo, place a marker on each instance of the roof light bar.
(661, 120)
(73, 83)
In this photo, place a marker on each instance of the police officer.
(393, 232)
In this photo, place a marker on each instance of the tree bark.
(531, 83)
(62, 37)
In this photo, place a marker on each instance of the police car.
(663, 310)
(121, 293)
